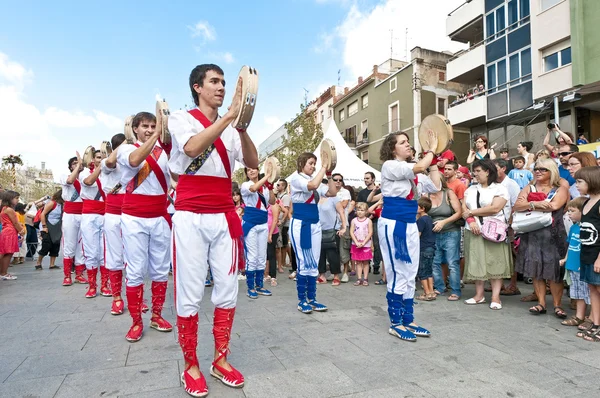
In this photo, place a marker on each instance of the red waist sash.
(73, 207)
(114, 202)
(93, 207)
(146, 206)
(208, 195)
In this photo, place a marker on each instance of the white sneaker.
(293, 275)
(8, 277)
(345, 278)
(241, 277)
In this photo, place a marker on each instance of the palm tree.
(9, 162)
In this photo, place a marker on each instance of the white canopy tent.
(348, 164)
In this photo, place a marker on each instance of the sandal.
(572, 322)
(38, 267)
(538, 310)
(587, 323)
(380, 282)
(273, 282)
(453, 297)
(529, 298)
(358, 283)
(560, 313)
(511, 291)
(365, 282)
(432, 296)
(583, 332)
(423, 297)
(54, 267)
(593, 335)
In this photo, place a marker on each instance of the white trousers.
(400, 275)
(200, 241)
(114, 242)
(255, 244)
(93, 240)
(71, 237)
(146, 248)
(315, 233)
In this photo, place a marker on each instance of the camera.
(551, 126)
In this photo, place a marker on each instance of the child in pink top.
(361, 232)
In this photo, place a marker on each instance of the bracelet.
(328, 174)
(241, 130)
(470, 220)
(531, 206)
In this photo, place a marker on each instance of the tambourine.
(105, 149)
(88, 156)
(272, 166)
(442, 127)
(249, 77)
(328, 151)
(162, 118)
(129, 134)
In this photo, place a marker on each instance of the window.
(513, 12)
(394, 117)
(495, 23)
(330, 112)
(365, 101)
(342, 115)
(353, 108)
(442, 106)
(350, 135)
(364, 125)
(322, 115)
(549, 3)
(557, 59)
(519, 67)
(393, 85)
(491, 78)
(490, 25)
(364, 155)
(441, 76)
(501, 74)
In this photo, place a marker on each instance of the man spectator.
(504, 156)
(445, 157)
(283, 200)
(582, 140)
(564, 153)
(452, 181)
(363, 195)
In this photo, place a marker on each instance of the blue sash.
(252, 217)
(308, 214)
(403, 211)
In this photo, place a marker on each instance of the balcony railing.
(364, 140)
(392, 126)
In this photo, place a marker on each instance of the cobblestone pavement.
(56, 343)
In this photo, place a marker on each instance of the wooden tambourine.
(162, 118)
(249, 77)
(129, 135)
(105, 149)
(328, 151)
(272, 166)
(88, 156)
(442, 127)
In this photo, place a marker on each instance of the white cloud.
(13, 72)
(203, 30)
(226, 57)
(61, 118)
(110, 121)
(365, 35)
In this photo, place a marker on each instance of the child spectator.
(578, 290)
(520, 175)
(361, 231)
(425, 272)
(19, 257)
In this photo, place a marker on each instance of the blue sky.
(71, 71)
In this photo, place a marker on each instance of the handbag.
(532, 220)
(328, 239)
(492, 229)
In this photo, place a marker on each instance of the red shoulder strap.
(77, 186)
(219, 145)
(157, 171)
(100, 190)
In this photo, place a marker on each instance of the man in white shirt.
(206, 227)
(145, 223)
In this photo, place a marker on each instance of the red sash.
(77, 186)
(73, 207)
(156, 169)
(114, 203)
(219, 146)
(93, 207)
(146, 206)
(100, 190)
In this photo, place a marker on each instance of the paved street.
(56, 343)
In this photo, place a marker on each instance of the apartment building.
(528, 62)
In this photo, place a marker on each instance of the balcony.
(468, 113)
(465, 23)
(362, 141)
(468, 66)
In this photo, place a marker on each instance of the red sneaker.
(117, 307)
(135, 332)
(159, 323)
(232, 378)
(81, 279)
(67, 281)
(105, 291)
(194, 387)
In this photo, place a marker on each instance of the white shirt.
(68, 190)
(151, 185)
(89, 192)
(251, 198)
(344, 194)
(327, 211)
(513, 189)
(486, 198)
(183, 126)
(299, 188)
(397, 179)
(574, 192)
(111, 177)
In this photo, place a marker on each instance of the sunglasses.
(541, 169)
(337, 180)
(565, 153)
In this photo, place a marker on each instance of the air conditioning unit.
(572, 97)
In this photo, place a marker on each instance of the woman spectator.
(481, 150)
(446, 214)
(11, 229)
(330, 210)
(19, 257)
(51, 230)
(485, 259)
(464, 175)
(576, 162)
(541, 250)
(561, 138)
(523, 149)
(542, 154)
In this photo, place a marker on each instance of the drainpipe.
(556, 111)
(416, 107)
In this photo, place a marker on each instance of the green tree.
(303, 135)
